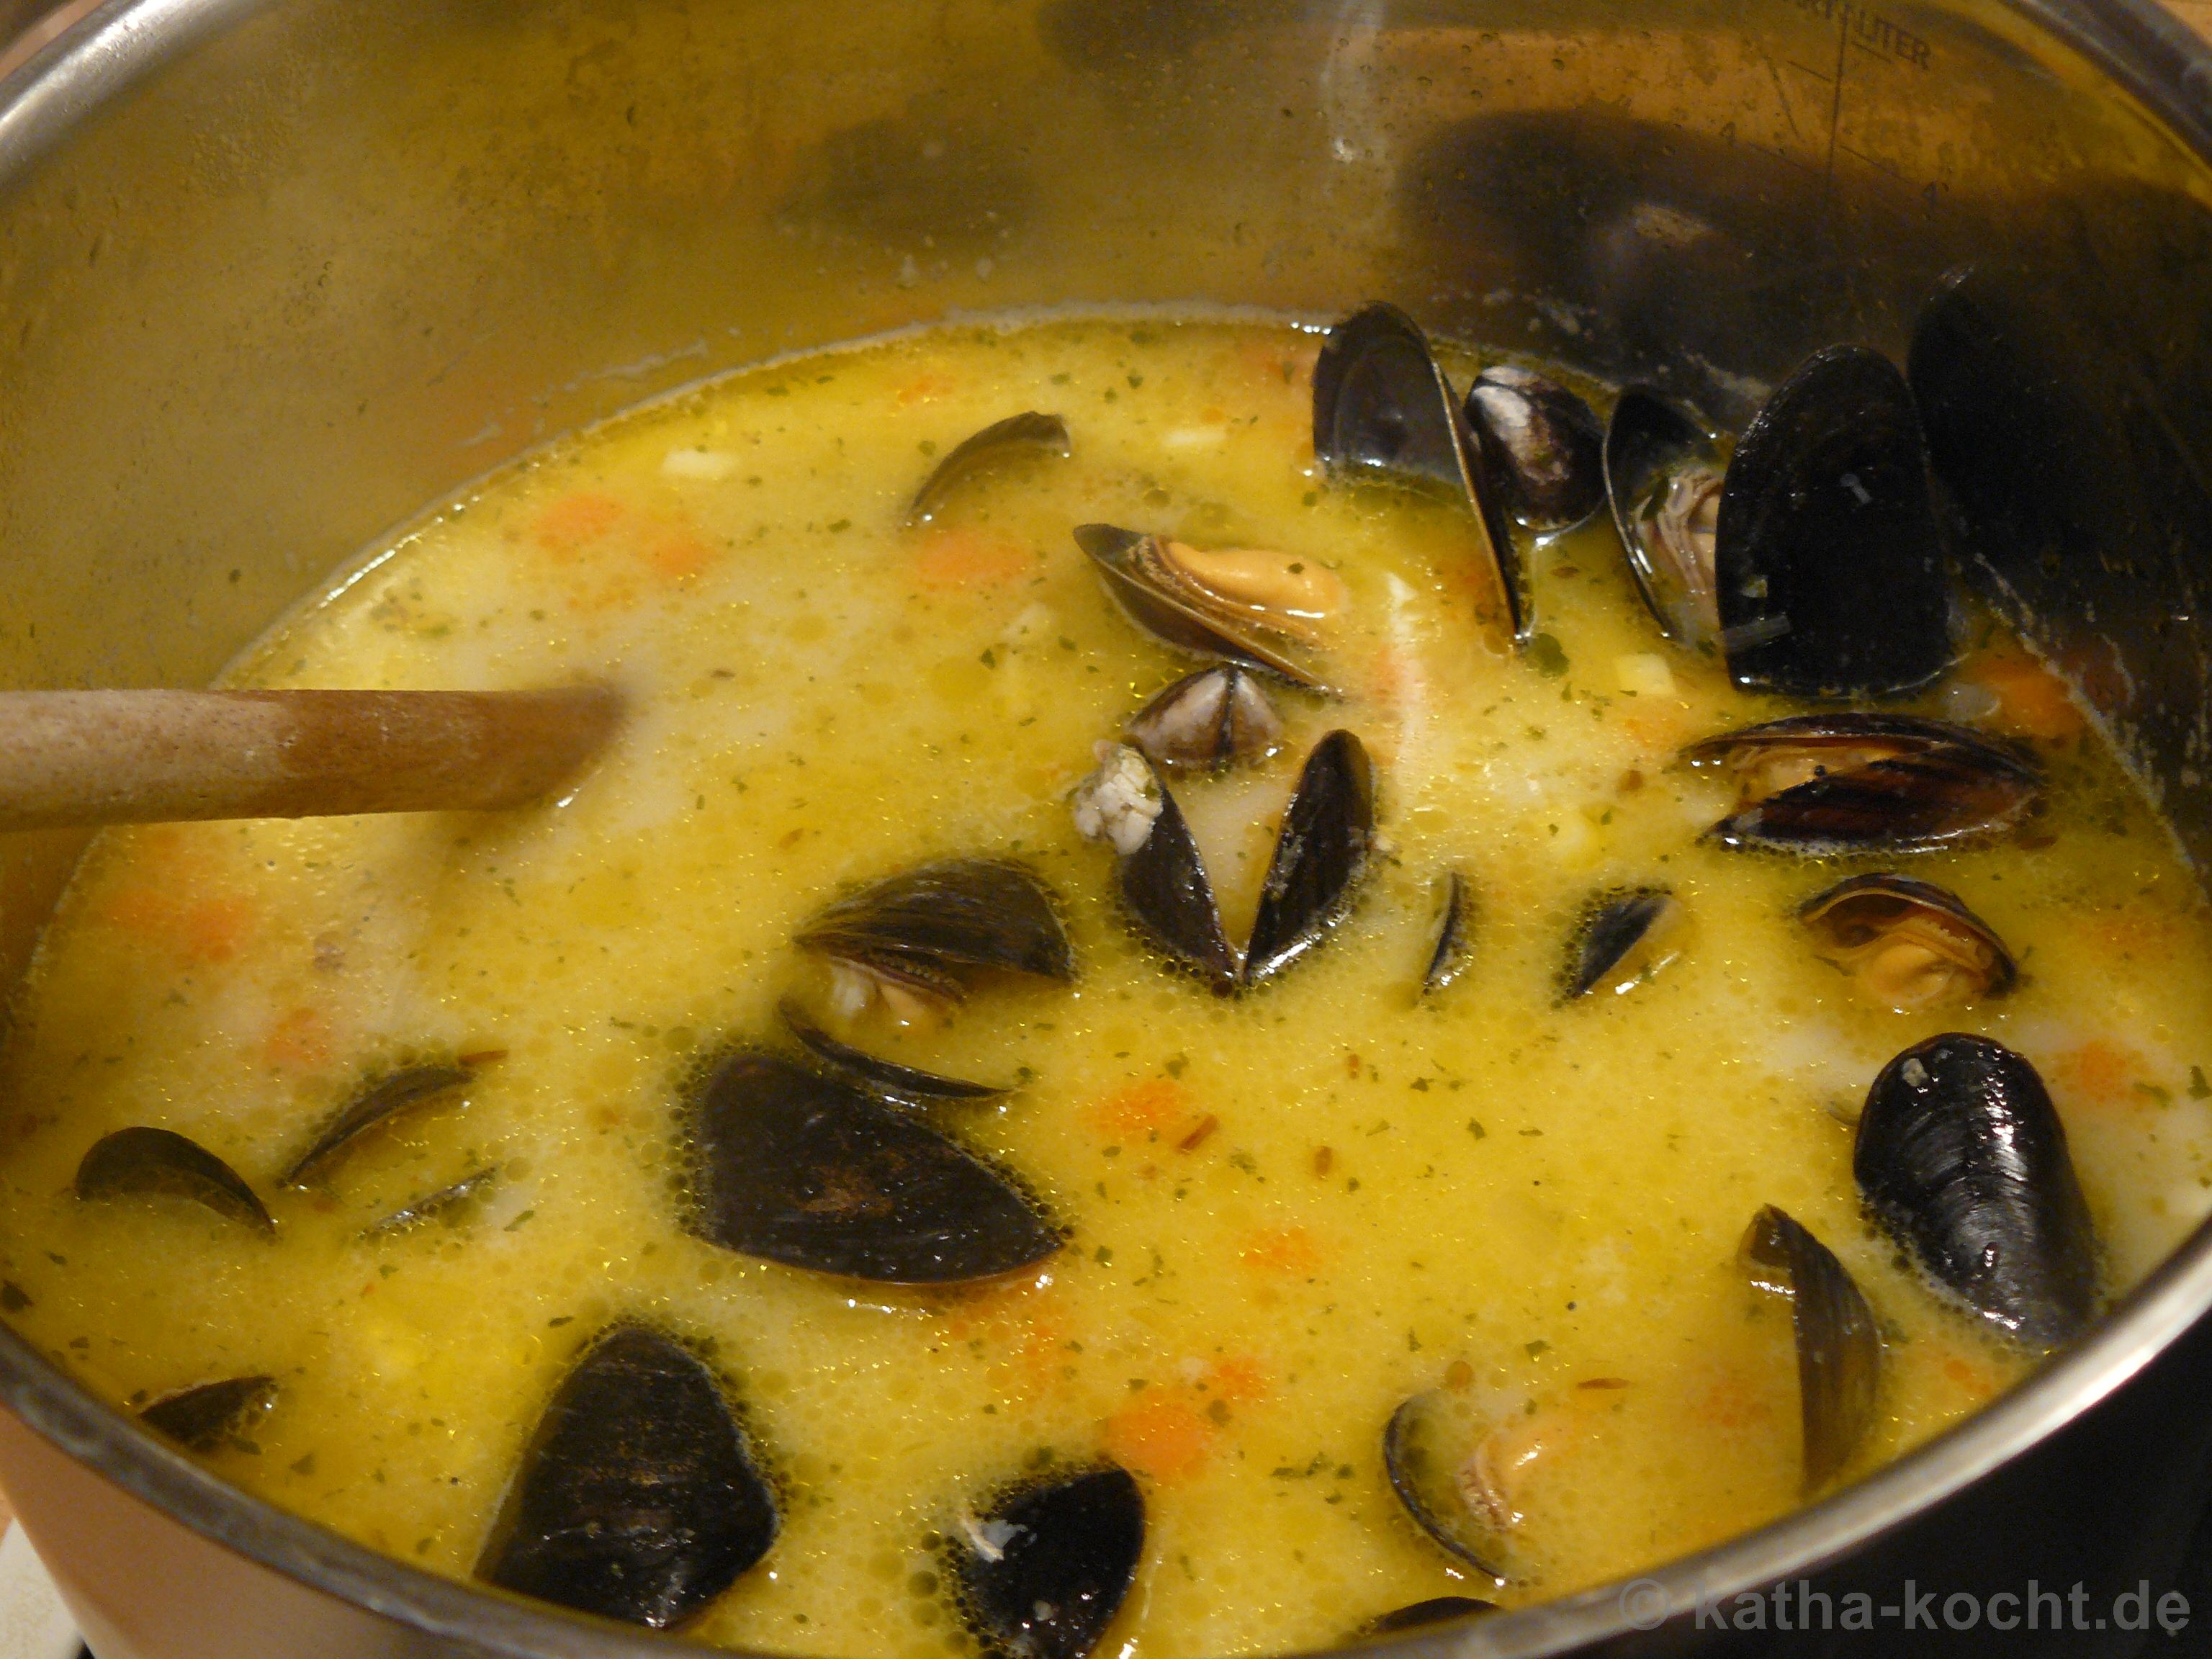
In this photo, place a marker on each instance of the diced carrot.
(1160, 1436)
(677, 552)
(575, 519)
(299, 1038)
(1976, 1380)
(1281, 1250)
(2099, 1070)
(210, 929)
(1731, 1401)
(2032, 701)
(1240, 1376)
(1151, 1107)
(957, 558)
(925, 387)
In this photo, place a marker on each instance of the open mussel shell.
(1162, 879)
(885, 1078)
(806, 1169)
(1455, 943)
(1622, 939)
(1418, 1615)
(1321, 852)
(1822, 785)
(939, 923)
(1142, 574)
(1663, 478)
(1907, 944)
(1429, 1447)
(161, 1162)
(1382, 411)
(1543, 444)
(1838, 1348)
(1829, 570)
(201, 1419)
(1040, 1571)
(449, 1205)
(1003, 443)
(1210, 721)
(386, 1098)
(639, 1496)
(1961, 1159)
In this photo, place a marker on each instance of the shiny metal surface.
(273, 273)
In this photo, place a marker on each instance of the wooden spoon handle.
(87, 758)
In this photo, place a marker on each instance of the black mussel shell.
(1454, 936)
(141, 1161)
(1961, 1158)
(1018, 436)
(1215, 719)
(1041, 1571)
(1831, 576)
(1839, 1349)
(1429, 1440)
(945, 920)
(200, 1420)
(1622, 939)
(1130, 563)
(885, 1078)
(1162, 879)
(1545, 446)
(1908, 944)
(447, 1204)
(1320, 852)
(808, 1170)
(385, 1098)
(1383, 411)
(1821, 785)
(639, 1498)
(1663, 478)
(1436, 1610)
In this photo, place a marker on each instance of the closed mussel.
(1543, 444)
(1830, 576)
(639, 1496)
(1663, 479)
(1454, 936)
(925, 934)
(1907, 944)
(386, 1098)
(1961, 1158)
(909, 1086)
(1839, 1349)
(1383, 413)
(1824, 785)
(1321, 852)
(1622, 939)
(202, 1419)
(1251, 606)
(1215, 719)
(1001, 445)
(160, 1163)
(807, 1170)
(1040, 1570)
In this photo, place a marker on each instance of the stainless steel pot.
(275, 272)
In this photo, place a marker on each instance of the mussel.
(1383, 412)
(1162, 880)
(1819, 784)
(806, 1169)
(1623, 938)
(1455, 935)
(1662, 478)
(385, 1098)
(1829, 571)
(1436, 1610)
(201, 1419)
(1961, 1159)
(150, 1162)
(1215, 719)
(447, 1204)
(1042, 1569)
(1437, 1450)
(1542, 443)
(1243, 605)
(926, 933)
(1003, 443)
(1319, 852)
(639, 1496)
(1839, 1349)
(1907, 944)
(887, 1079)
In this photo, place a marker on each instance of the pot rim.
(2135, 43)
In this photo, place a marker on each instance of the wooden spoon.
(87, 758)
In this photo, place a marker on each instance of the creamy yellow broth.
(1541, 1197)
